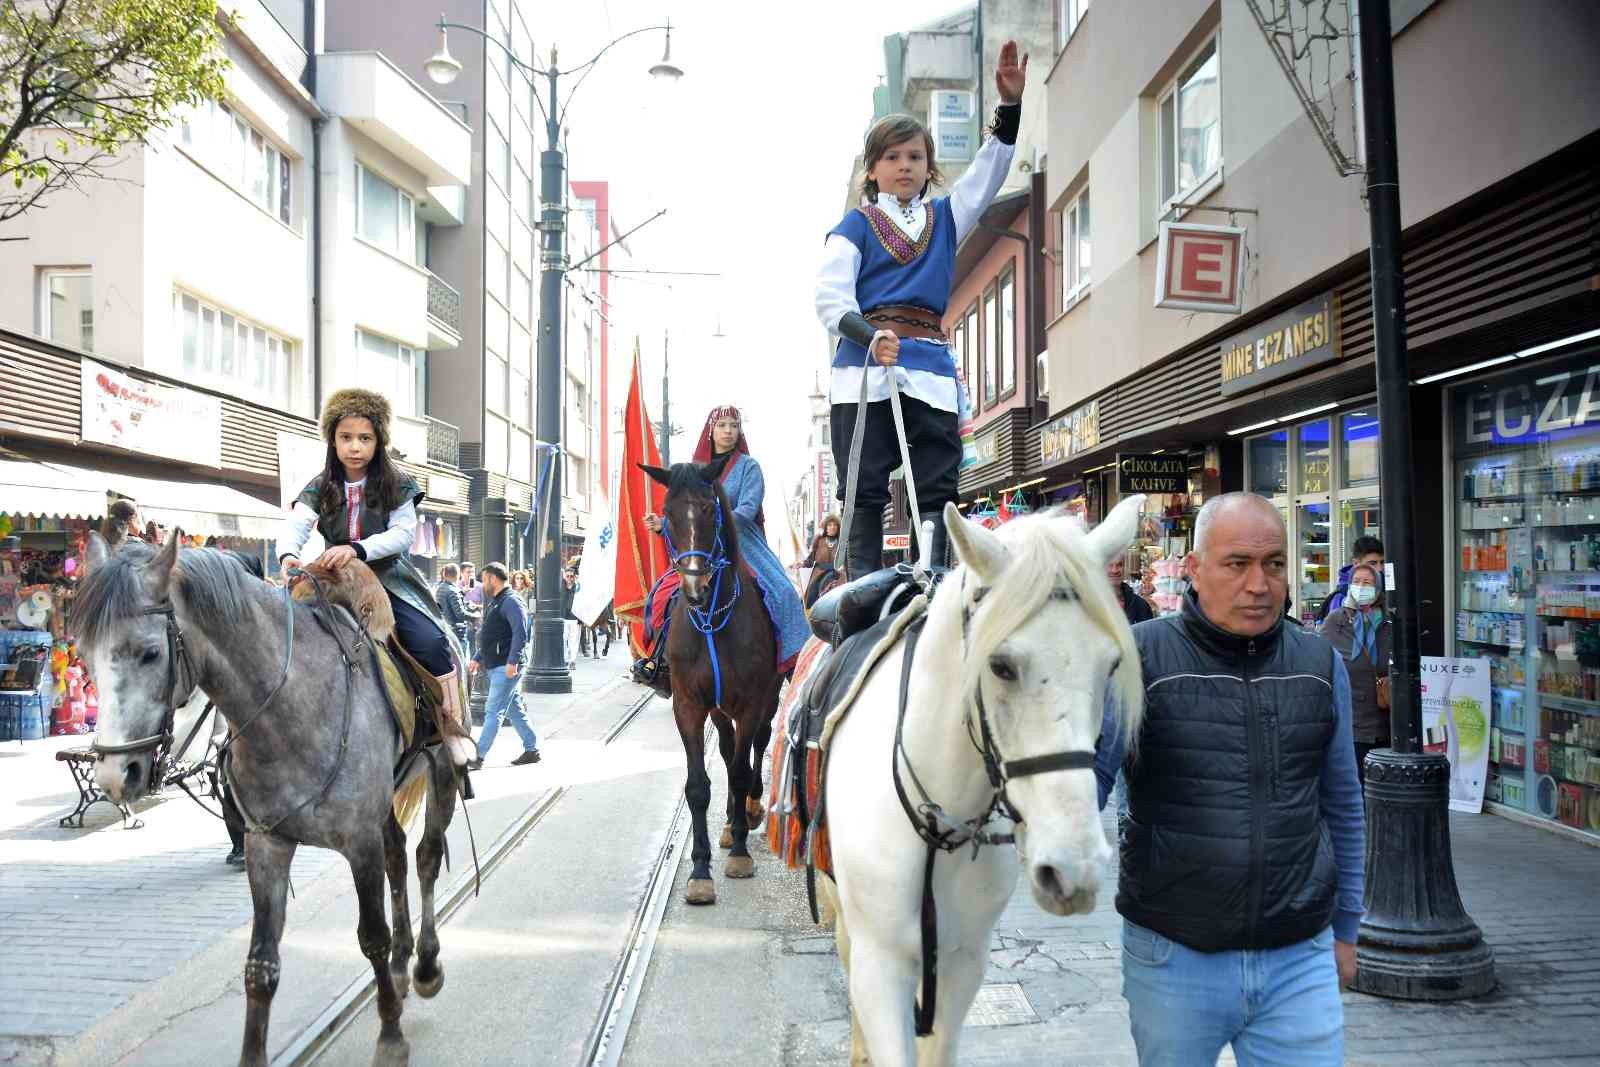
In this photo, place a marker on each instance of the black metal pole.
(1417, 941)
(549, 674)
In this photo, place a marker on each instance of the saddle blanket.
(825, 685)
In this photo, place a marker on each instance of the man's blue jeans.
(505, 695)
(1278, 1007)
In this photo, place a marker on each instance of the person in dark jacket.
(1360, 632)
(501, 641)
(1133, 605)
(448, 595)
(1243, 846)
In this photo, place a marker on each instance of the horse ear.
(158, 572)
(712, 472)
(660, 474)
(977, 547)
(96, 553)
(1113, 536)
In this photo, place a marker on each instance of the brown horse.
(723, 658)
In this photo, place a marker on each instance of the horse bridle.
(709, 621)
(177, 651)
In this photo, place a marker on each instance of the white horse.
(1027, 634)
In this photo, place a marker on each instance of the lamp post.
(548, 673)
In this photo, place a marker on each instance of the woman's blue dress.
(746, 489)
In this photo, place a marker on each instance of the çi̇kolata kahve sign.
(1455, 723)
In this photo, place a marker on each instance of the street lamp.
(548, 673)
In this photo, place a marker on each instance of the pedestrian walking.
(472, 598)
(1360, 631)
(501, 643)
(1243, 846)
(1133, 605)
(882, 289)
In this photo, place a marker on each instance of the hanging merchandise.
(985, 514)
(1019, 504)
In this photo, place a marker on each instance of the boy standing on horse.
(365, 508)
(885, 280)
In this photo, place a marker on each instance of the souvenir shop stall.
(438, 541)
(44, 687)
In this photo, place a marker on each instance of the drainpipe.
(1035, 289)
(310, 81)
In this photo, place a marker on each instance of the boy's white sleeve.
(836, 281)
(295, 530)
(975, 190)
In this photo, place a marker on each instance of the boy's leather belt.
(907, 321)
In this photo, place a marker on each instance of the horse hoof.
(428, 988)
(726, 840)
(754, 813)
(392, 1054)
(740, 867)
(701, 891)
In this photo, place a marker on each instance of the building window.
(495, 444)
(975, 347)
(395, 370)
(224, 351)
(1072, 12)
(385, 215)
(1006, 331)
(959, 338)
(1190, 116)
(241, 154)
(990, 358)
(494, 383)
(1074, 238)
(66, 307)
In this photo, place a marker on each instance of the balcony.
(444, 443)
(373, 95)
(444, 314)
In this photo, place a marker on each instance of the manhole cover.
(1001, 1004)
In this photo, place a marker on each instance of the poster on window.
(149, 418)
(1455, 724)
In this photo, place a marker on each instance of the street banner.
(641, 554)
(1455, 723)
(597, 571)
(149, 418)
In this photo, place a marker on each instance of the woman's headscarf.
(705, 450)
(1367, 621)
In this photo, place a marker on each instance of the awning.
(58, 489)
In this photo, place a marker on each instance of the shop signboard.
(950, 114)
(1455, 723)
(988, 445)
(1528, 410)
(1067, 435)
(1150, 472)
(1296, 340)
(1200, 268)
(149, 418)
(897, 542)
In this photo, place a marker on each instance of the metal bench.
(80, 761)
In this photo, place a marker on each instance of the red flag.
(641, 554)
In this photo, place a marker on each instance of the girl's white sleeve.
(836, 281)
(397, 539)
(975, 190)
(295, 530)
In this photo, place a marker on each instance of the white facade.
(580, 413)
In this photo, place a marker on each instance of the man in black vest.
(500, 645)
(1243, 846)
(447, 594)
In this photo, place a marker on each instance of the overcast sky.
(749, 153)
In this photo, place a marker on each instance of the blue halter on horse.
(707, 621)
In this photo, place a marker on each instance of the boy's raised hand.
(1010, 77)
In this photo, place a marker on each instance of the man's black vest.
(1224, 845)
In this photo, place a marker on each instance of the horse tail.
(408, 800)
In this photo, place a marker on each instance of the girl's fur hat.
(363, 403)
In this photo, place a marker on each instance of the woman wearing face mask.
(1360, 630)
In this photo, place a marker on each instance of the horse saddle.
(404, 681)
(853, 607)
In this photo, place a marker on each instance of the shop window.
(1006, 327)
(1358, 442)
(385, 215)
(1314, 467)
(1189, 116)
(1526, 484)
(1268, 462)
(66, 314)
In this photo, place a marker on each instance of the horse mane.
(690, 478)
(1048, 552)
(211, 581)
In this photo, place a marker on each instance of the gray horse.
(312, 755)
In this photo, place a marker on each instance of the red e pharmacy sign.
(1200, 268)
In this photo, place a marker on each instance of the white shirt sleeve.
(836, 281)
(975, 190)
(295, 530)
(397, 539)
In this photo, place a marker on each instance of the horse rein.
(177, 651)
(709, 621)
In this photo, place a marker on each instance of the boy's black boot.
(864, 554)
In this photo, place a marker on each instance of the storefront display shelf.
(1491, 644)
(1586, 707)
(1522, 498)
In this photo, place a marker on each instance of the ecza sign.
(1567, 400)
(1200, 268)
